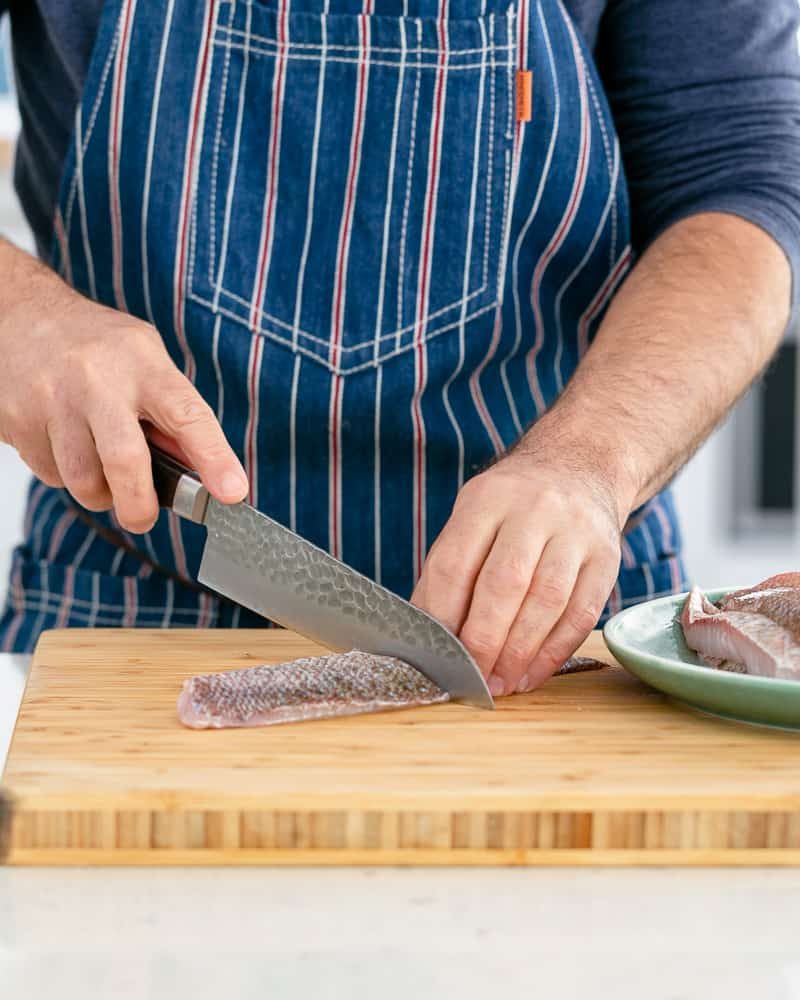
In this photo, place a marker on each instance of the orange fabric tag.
(524, 95)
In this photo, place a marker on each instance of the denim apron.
(375, 263)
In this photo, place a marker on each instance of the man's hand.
(76, 383)
(523, 568)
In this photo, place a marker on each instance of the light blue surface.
(647, 639)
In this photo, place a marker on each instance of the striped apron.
(369, 264)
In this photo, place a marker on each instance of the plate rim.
(722, 677)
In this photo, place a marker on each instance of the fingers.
(500, 589)
(35, 451)
(176, 408)
(546, 600)
(580, 616)
(445, 586)
(78, 463)
(126, 465)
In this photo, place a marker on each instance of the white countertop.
(647, 934)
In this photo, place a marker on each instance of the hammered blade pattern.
(268, 568)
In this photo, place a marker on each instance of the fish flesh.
(313, 687)
(753, 631)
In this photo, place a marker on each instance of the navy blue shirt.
(706, 98)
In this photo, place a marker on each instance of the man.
(375, 266)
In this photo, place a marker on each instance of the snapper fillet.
(753, 631)
(315, 687)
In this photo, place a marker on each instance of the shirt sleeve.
(706, 99)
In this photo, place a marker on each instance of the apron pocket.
(352, 193)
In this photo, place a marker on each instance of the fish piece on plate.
(754, 631)
(310, 688)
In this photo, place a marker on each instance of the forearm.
(694, 324)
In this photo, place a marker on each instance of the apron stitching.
(363, 345)
(214, 171)
(237, 139)
(337, 47)
(81, 147)
(610, 166)
(395, 334)
(476, 392)
(476, 155)
(545, 176)
(195, 126)
(220, 407)
(352, 370)
(428, 237)
(258, 50)
(264, 260)
(509, 178)
(340, 291)
(412, 149)
(387, 215)
(151, 139)
(117, 116)
(312, 189)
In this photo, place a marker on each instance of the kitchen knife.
(264, 566)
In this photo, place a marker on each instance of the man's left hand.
(523, 568)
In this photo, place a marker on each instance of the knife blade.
(263, 565)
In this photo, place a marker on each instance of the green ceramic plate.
(647, 639)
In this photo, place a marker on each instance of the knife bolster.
(177, 487)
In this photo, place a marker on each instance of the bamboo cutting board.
(594, 768)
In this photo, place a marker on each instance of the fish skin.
(579, 664)
(754, 631)
(315, 687)
(778, 598)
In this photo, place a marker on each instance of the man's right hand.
(76, 382)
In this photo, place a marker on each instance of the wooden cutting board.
(595, 768)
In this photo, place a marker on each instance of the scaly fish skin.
(755, 631)
(309, 688)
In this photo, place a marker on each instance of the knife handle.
(178, 488)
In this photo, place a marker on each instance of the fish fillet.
(754, 631)
(310, 688)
